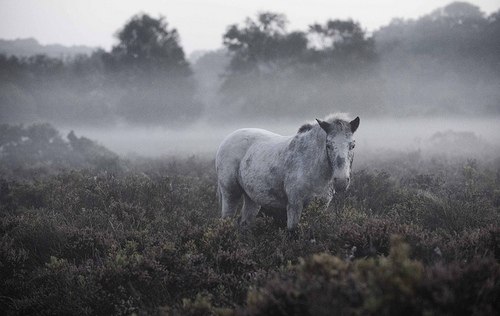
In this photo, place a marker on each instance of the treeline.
(145, 78)
(284, 73)
(447, 62)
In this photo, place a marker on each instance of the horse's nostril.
(348, 179)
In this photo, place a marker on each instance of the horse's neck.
(317, 162)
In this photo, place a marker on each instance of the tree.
(341, 43)
(451, 55)
(147, 44)
(278, 73)
(262, 44)
(150, 64)
(458, 10)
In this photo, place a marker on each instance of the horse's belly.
(267, 199)
(264, 190)
(262, 180)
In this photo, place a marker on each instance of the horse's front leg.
(293, 212)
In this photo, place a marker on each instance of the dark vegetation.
(416, 238)
(446, 62)
(30, 46)
(39, 150)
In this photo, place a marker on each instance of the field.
(414, 235)
(125, 220)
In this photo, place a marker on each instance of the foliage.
(451, 55)
(263, 43)
(445, 62)
(342, 45)
(145, 78)
(446, 53)
(150, 64)
(40, 149)
(391, 285)
(150, 240)
(148, 44)
(283, 73)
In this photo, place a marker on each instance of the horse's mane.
(304, 128)
(338, 117)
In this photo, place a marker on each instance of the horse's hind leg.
(249, 211)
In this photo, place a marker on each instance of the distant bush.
(39, 148)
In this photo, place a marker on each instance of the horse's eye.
(352, 145)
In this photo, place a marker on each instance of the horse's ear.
(324, 125)
(354, 124)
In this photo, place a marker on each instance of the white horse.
(284, 172)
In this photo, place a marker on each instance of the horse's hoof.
(293, 234)
(244, 226)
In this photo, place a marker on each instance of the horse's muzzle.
(341, 185)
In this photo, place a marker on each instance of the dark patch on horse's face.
(340, 161)
(304, 128)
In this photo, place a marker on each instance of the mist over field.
(110, 203)
(407, 81)
(460, 137)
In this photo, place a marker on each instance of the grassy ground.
(421, 237)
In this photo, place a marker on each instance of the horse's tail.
(219, 195)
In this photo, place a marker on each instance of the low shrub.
(150, 240)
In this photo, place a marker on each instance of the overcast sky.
(200, 23)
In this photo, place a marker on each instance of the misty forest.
(108, 185)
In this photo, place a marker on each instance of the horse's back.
(234, 147)
(236, 144)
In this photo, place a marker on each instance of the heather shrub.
(149, 240)
(394, 285)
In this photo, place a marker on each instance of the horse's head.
(340, 149)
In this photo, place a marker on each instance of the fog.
(464, 138)
(426, 86)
